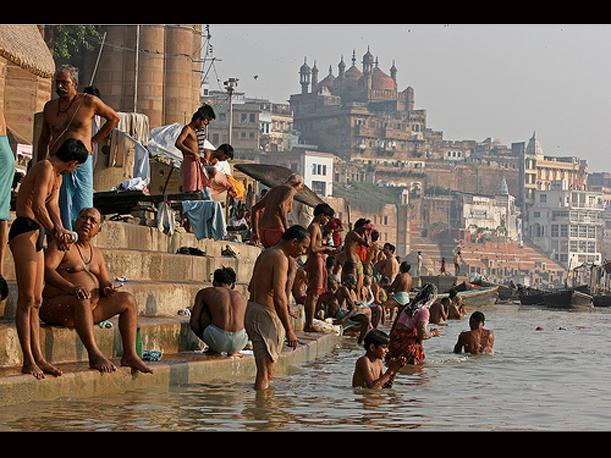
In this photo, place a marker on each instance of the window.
(564, 230)
(554, 230)
(591, 247)
(242, 134)
(243, 117)
(583, 246)
(386, 220)
(319, 169)
(313, 169)
(543, 198)
(324, 170)
(252, 117)
(573, 245)
(591, 232)
(583, 231)
(251, 135)
(573, 230)
(319, 187)
(222, 117)
(537, 214)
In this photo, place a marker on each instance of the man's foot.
(235, 355)
(33, 369)
(101, 363)
(309, 329)
(136, 363)
(48, 368)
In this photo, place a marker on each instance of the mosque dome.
(381, 81)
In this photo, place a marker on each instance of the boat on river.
(601, 300)
(478, 297)
(531, 296)
(567, 298)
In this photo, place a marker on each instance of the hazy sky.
(475, 81)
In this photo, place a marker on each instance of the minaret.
(314, 78)
(304, 76)
(368, 68)
(393, 71)
(341, 67)
(353, 57)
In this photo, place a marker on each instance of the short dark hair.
(452, 293)
(93, 91)
(224, 276)
(361, 222)
(206, 112)
(390, 247)
(377, 338)
(227, 149)
(375, 236)
(72, 150)
(478, 317)
(324, 209)
(296, 232)
(405, 266)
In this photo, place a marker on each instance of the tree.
(68, 41)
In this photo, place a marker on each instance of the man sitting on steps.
(79, 294)
(218, 313)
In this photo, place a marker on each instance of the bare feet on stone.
(48, 368)
(101, 363)
(309, 329)
(136, 363)
(33, 369)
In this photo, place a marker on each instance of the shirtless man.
(389, 266)
(457, 260)
(316, 263)
(37, 210)
(79, 293)
(438, 311)
(456, 309)
(369, 370)
(267, 315)
(350, 309)
(270, 214)
(400, 289)
(190, 168)
(327, 302)
(478, 339)
(218, 312)
(72, 116)
(353, 265)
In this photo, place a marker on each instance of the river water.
(555, 379)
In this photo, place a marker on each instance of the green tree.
(68, 41)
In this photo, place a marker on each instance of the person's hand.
(108, 290)
(397, 363)
(64, 239)
(291, 339)
(254, 238)
(80, 293)
(436, 332)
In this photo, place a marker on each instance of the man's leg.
(124, 305)
(365, 323)
(27, 261)
(72, 312)
(310, 309)
(3, 244)
(376, 315)
(265, 372)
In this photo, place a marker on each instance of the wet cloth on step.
(222, 341)
(76, 193)
(265, 330)
(7, 172)
(206, 217)
(165, 219)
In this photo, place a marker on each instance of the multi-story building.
(567, 224)
(282, 136)
(316, 167)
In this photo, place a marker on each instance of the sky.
(475, 81)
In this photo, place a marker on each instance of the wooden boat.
(531, 296)
(602, 300)
(444, 283)
(478, 297)
(505, 292)
(567, 298)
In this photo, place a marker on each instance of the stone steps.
(153, 298)
(63, 345)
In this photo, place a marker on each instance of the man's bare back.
(475, 341)
(403, 282)
(278, 197)
(29, 186)
(226, 306)
(261, 285)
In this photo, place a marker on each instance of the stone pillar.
(178, 74)
(197, 65)
(151, 73)
(110, 75)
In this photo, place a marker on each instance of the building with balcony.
(567, 224)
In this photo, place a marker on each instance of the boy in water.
(369, 370)
(478, 339)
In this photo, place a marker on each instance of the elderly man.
(79, 294)
(72, 116)
(270, 214)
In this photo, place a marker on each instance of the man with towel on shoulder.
(267, 314)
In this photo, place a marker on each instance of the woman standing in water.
(411, 327)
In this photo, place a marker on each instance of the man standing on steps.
(79, 294)
(72, 116)
(420, 264)
(267, 315)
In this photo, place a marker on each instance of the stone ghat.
(174, 369)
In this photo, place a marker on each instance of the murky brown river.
(555, 379)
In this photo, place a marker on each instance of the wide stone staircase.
(163, 284)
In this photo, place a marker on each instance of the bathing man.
(217, 316)
(72, 116)
(478, 339)
(38, 209)
(79, 293)
(267, 315)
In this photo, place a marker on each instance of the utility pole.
(136, 67)
(230, 85)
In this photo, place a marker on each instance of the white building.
(316, 167)
(567, 224)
